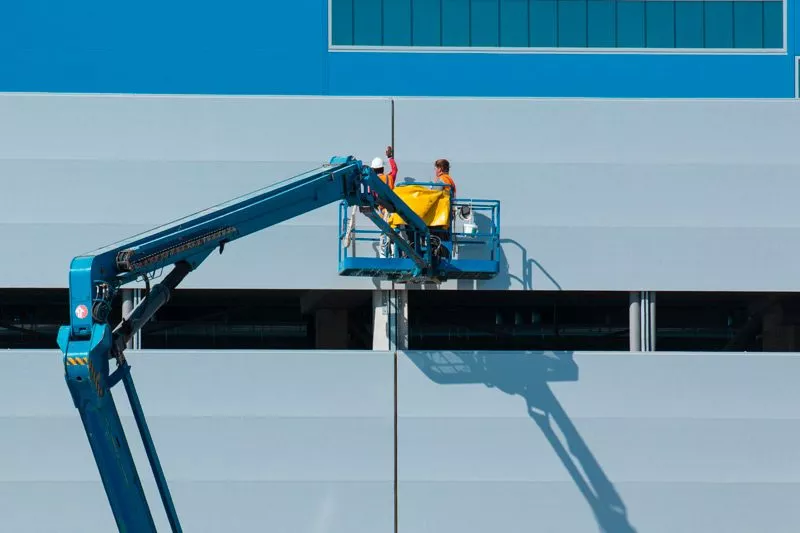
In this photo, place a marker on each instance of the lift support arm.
(89, 344)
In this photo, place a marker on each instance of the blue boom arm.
(89, 343)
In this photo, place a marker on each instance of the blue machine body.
(89, 344)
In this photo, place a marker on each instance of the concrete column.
(634, 320)
(400, 322)
(130, 299)
(380, 320)
(331, 329)
(390, 322)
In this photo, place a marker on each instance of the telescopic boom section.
(89, 343)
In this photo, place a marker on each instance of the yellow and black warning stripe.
(94, 376)
(73, 361)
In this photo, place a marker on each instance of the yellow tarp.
(431, 205)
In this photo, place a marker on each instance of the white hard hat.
(377, 163)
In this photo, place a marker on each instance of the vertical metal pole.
(127, 309)
(392, 319)
(634, 319)
(137, 337)
(647, 313)
(394, 152)
(653, 321)
(644, 308)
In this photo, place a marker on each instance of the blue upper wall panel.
(594, 48)
(181, 46)
(552, 75)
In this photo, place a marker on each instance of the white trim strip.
(785, 24)
(330, 24)
(797, 77)
(557, 50)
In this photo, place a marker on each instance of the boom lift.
(89, 344)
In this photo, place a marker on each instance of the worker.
(442, 169)
(385, 247)
(392, 164)
(377, 165)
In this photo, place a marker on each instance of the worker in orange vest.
(377, 165)
(389, 179)
(442, 169)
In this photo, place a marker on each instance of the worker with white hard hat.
(378, 166)
(389, 179)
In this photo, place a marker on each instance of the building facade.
(645, 157)
(476, 48)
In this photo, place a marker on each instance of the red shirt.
(390, 178)
(393, 173)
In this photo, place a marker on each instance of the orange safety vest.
(449, 181)
(387, 179)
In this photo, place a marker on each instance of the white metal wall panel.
(596, 194)
(285, 257)
(71, 166)
(250, 441)
(622, 194)
(303, 441)
(629, 442)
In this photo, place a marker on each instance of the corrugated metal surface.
(622, 194)
(82, 172)
(294, 441)
(596, 194)
(629, 442)
(249, 441)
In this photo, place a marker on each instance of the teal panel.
(426, 23)
(660, 24)
(689, 24)
(397, 22)
(719, 24)
(564, 23)
(513, 22)
(748, 24)
(571, 23)
(342, 22)
(367, 18)
(773, 24)
(485, 22)
(455, 23)
(630, 24)
(602, 25)
(543, 23)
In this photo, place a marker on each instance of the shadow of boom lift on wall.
(508, 276)
(527, 374)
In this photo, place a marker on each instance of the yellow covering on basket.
(431, 205)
